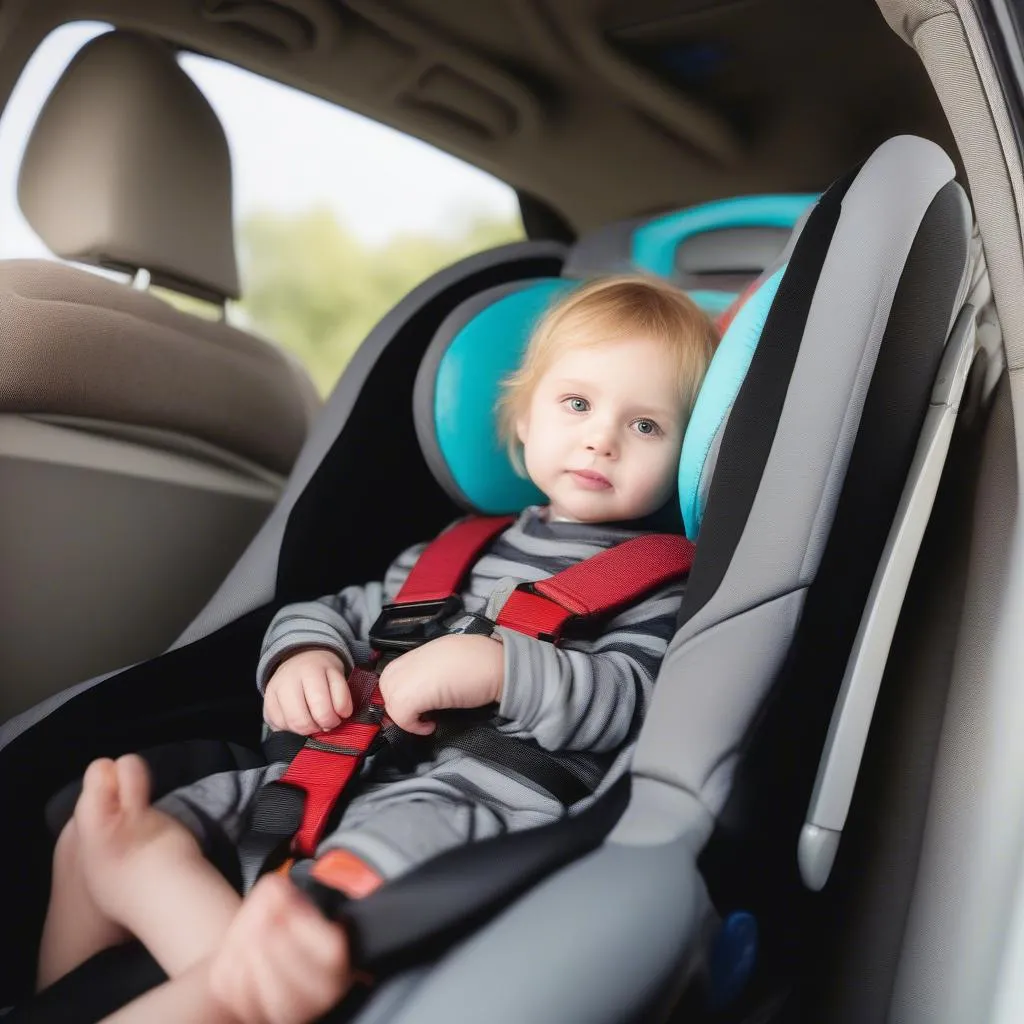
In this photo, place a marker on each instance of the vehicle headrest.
(713, 251)
(127, 167)
(482, 341)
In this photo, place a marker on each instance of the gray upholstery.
(745, 251)
(605, 250)
(606, 939)
(693, 726)
(127, 167)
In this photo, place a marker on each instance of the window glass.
(336, 216)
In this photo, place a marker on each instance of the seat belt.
(296, 807)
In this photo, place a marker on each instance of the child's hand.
(308, 693)
(280, 962)
(450, 672)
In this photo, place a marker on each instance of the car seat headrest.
(713, 251)
(482, 341)
(127, 167)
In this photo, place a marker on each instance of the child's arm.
(339, 622)
(586, 695)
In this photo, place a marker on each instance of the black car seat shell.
(811, 462)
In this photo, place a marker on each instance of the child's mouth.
(590, 480)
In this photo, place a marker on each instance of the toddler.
(595, 416)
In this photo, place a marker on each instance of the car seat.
(797, 457)
(134, 434)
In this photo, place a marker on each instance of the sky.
(289, 152)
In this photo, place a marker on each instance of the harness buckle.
(404, 627)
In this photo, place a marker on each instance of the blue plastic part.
(733, 958)
(480, 356)
(722, 383)
(712, 302)
(655, 243)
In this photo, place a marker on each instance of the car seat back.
(135, 434)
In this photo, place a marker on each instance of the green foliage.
(315, 289)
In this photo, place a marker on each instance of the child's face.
(603, 431)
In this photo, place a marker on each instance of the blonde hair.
(611, 309)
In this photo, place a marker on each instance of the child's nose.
(602, 441)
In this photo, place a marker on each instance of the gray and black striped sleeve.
(588, 695)
(339, 622)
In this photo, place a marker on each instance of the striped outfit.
(582, 699)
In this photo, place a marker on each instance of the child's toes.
(100, 798)
(133, 782)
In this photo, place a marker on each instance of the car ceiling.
(602, 108)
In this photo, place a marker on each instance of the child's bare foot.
(124, 843)
(281, 961)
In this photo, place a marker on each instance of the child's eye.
(577, 404)
(646, 427)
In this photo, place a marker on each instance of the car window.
(336, 216)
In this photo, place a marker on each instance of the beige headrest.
(128, 167)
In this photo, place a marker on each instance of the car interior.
(822, 818)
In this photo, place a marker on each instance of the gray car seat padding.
(782, 538)
(648, 904)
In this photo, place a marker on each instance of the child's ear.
(522, 427)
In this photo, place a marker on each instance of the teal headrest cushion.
(483, 340)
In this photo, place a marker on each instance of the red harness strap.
(328, 760)
(599, 585)
(607, 582)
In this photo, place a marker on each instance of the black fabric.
(93, 990)
(390, 501)
(282, 746)
(275, 817)
(170, 766)
(521, 757)
(541, 221)
(202, 690)
(754, 418)
(751, 860)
